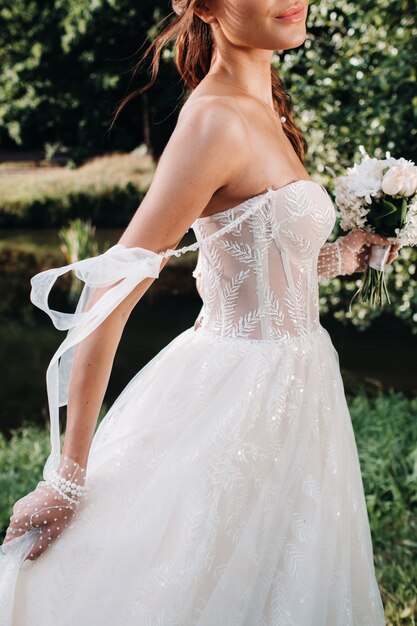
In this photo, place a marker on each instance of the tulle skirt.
(225, 490)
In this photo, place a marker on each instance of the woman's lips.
(294, 14)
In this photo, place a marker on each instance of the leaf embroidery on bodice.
(258, 278)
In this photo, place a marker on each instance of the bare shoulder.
(211, 121)
(214, 113)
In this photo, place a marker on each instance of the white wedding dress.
(224, 482)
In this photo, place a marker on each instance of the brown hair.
(193, 50)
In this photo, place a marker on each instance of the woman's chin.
(293, 42)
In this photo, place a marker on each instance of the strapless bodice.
(259, 280)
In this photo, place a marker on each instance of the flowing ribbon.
(119, 270)
(378, 257)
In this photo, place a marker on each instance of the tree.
(65, 65)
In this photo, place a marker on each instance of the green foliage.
(21, 462)
(65, 66)
(77, 244)
(386, 434)
(78, 241)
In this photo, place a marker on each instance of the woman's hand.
(45, 509)
(355, 249)
(50, 507)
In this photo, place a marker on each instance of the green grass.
(386, 433)
(106, 189)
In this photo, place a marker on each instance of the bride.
(223, 487)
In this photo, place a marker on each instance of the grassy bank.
(106, 190)
(386, 434)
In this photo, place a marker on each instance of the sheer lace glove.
(350, 253)
(50, 507)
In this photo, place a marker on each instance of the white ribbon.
(124, 266)
(378, 257)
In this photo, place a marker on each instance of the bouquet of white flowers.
(379, 195)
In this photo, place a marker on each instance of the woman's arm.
(201, 156)
(329, 262)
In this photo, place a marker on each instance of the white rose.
(409, 187)
(393, 181)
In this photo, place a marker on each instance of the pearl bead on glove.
(50, 507)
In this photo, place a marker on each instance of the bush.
(21, 464)
(354, 81)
